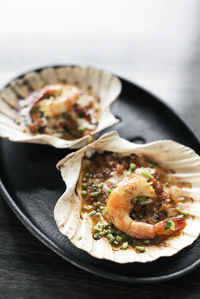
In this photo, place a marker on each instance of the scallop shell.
(170, 155)
(106, 86)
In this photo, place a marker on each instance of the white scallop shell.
(105, 85)
(170, 155)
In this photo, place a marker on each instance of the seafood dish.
(127, 202)
(62, 110)
(63, 107)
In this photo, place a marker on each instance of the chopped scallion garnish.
(140, 248)
(132, 167)
(100, 185)
(81, 129)
(111, 238)
(145, 173)
(182, 199)
(84, 186)
(118, 238)
(93, 213)
(125, 245)
(97, 236)
(147, 242)
(97, 193)
(108, 191)
(182, 212)
(84, 192)
(114, 155)
(170, 225)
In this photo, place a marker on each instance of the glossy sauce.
(102, 173)
(65, 111)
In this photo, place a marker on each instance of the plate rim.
(28, 224)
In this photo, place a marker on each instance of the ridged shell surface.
(168, 154)
(106, 86)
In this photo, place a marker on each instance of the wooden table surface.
(153, 43)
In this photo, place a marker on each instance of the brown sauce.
(101, 174)
(55, 110)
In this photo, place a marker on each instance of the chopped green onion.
(84, 180)
(102, 234)
(84, 186)
(97, 236)
(93, 213)
(140, 216)
(84, 192)
(132, 167)
(182, 199)
(79, 238)
(87, 208)
(81, 129)
(118, 238)
(114, 155)
(141, 199)
(131, 241)
(133, 215)
(62, 115)
(125, 245)
(182, 212)
(40, 111)
(87, 175)
(18, 122)
(145, 173)
(101, 208)
(146, 242)
(181, 216)
(170, 225)
(111, 238)
(108, 191)
(95, 194)
(98, 229)
(150, 165)
(113, 230)
(106, 232)
(140, 248)
(58, 94)
(135, 200)
(106, 225)
(128, 173)
(100, 185)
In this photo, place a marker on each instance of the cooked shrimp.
(61, 99)
(119, 208)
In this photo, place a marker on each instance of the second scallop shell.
(105, 85)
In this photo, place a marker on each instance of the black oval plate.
(31, 185)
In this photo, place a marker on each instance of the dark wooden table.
(155, 44)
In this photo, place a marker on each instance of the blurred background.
(153, 43)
